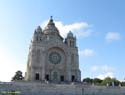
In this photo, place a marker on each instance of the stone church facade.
(51, 57)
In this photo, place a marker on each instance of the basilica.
(51, 57)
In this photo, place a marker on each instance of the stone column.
(78, 75)
(43, 65)
(68, 67)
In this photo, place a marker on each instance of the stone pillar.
(78, 75)
(68, 67)
(43, 65)
(29, 73)
(33, 64)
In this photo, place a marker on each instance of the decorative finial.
(51, 17)
(51, 21)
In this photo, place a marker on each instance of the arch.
(57, 48)
(37, 77)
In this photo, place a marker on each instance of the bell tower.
(70, 40)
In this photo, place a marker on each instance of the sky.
(97, 24)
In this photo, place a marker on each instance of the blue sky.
(97, 24)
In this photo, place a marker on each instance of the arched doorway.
(55, 76)
(37, 76)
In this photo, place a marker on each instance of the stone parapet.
(38, 88)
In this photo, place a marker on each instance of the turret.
(37, 34)
(70, 40)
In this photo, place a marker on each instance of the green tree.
(122, 83)
(110, 82)
(88, 80)
(97, 81)
(18, 76)
(116, 82)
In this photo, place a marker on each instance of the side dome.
(70, 34)
(51, 28)
(38, 29)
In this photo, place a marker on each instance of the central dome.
(51, 28)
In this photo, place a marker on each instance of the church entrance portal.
(61, 78)
(47, 77)
(55, 76)
(37, 76)
(73, 78)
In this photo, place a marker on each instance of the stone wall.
(37, 88)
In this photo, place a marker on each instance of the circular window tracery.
(54, 57)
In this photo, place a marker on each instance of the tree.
(116, 82)
(106, 81)
(122, 83)
(18, 76)
(97, 81)
(110, 82)
(88, 80)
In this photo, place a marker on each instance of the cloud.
(80, 29)
(107, 68)
(112, 36)
(105, 71)
(94, 68)
(9, 64)
(87, 52)
(104, 68)
(103, 76)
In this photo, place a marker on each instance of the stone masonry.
(51, 57)
(38, 88)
